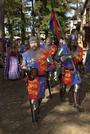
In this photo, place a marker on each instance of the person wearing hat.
(35, 64)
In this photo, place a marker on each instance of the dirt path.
(56, 117)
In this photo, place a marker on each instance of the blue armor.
(63, 51)
(38, 59)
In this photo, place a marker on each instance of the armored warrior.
(35, 67)
(69, 74)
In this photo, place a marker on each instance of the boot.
(77, 103)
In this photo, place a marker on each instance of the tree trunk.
(23, 25)
(1, 26)
(10, 28)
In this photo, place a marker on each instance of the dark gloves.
(24, 73)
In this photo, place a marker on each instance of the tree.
(1, 26)
(15, 18)
(10, 13)
(1, 18)
(43, 10)
(23, 25)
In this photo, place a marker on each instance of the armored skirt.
(38, 60)
(36, 88)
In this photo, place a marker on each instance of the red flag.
(55, 23)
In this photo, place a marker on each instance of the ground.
(56, 117)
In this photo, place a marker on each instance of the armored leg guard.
(38, 108)
(49, 89)
(34, 107)
(76, 95)
(71, 95)
(62, 92)
(49, 84)
(77, 98)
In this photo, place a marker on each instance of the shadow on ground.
(56, 117)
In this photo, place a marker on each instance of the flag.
(53, 24)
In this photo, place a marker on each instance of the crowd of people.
(41, 63)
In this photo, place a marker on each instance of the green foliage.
(14, 17)
(44, 11)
